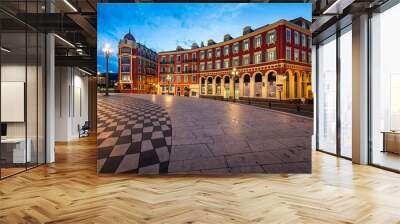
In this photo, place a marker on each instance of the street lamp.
(234, 74)
(107, 52)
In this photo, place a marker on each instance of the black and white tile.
(134, 136)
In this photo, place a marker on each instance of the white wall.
(33, 127)
(71, 102)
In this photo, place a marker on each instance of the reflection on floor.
(387, 159)
(10, 171)
(208, 137)
(70, 191)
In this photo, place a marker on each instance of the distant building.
(272, 62)
(113, 79)
(137, 66)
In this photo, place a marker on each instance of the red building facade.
(273, 61)
(137, 67)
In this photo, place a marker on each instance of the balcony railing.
(166, 72)
(189, 60)
(166, 62)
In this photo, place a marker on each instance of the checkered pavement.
(133, 136)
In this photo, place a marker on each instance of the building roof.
(293, 22)
(129, 36)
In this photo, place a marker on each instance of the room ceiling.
(74, 22)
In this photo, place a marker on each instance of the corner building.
(270, 62)
(137, 67)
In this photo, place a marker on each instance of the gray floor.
(213, 137)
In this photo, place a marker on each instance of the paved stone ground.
(214, 137)
(133, 136)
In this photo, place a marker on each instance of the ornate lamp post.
(107, 52)
(235, 73)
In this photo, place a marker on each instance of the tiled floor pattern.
(134, 136)
(213, 137)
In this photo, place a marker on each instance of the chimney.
(247, 29)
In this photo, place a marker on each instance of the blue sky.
(163, 26)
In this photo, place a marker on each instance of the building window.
(296, 38)
(209, 53)
(185, 57)
(125, 60)
(185, 68)
(296, 54)
(246, 45)
(185, 79)
(271, 37)
(194, 68)
(194, 56)
(303, 40)
(257, 41)
(235, 61)
(235, 49)
(271, 54)
(202, 68)
(218, 52)
(209, 65)
(288, 35)
(125, 50)
(226, 63)
(125, 68)
(226, 50)
(245, 60)
(178, 79)
(171, 69)
(327, 95)
(178, 58)
(288, 53)
(309, 42)
(218, 64)
(257, 58)
(163, 59)
(201, 55)
(309, 58)
(303, 57)
(171, 59)
(178, 69)
(194, 79)
(126, 77)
